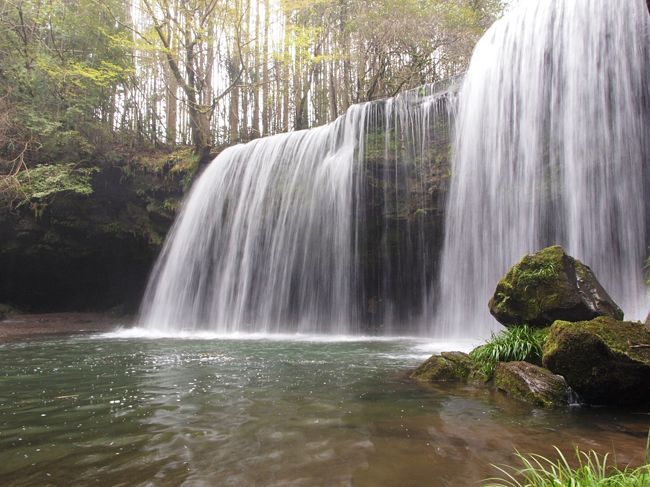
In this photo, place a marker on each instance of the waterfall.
(328, 230)
(551, 141)
(339, 229)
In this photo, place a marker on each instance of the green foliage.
(647, 271)
(43, 182)
(516, 343)
(181, 163)
(593, 470)
(63, 64)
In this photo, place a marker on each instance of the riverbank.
(28, 326)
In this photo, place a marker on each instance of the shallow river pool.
(289, 411)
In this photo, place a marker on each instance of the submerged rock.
(547, 286)
(531, 383)
(604, 360)
(446, 367)
(6, 311)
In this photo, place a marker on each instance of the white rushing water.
(337, 229)
(551, 140)
(274, 236)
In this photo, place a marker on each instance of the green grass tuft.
(543, 274)
(592, 470)
(515, 343)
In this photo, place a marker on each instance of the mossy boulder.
(605, 361)
(547, 286)
(446, 367)
(531, 383)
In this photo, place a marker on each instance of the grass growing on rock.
(516, 343)
(592, 470)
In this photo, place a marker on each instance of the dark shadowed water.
(336, 411)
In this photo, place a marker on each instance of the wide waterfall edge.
(421, 347)
(431, 93)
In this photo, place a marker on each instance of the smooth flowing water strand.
(264, 237)
(551, 138)
(318, 231)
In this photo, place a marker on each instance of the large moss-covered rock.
(547, 286)
(531, 383)
(604, 360)
(446, 367)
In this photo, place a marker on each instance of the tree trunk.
(332, 96)
(233, 113)
(265, 70)
(199, 120)
(171, 110)
(255, 76)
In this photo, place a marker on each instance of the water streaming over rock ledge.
(551, 142)
(326, 230)
(338, 229)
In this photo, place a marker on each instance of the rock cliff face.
(91, 249)
(401, 217)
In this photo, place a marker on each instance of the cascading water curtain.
(263, 242)
(551, 146)
(329, 230)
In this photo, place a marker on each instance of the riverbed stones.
(531, 383)
(446, 367)
(547, 286)
(605, 361)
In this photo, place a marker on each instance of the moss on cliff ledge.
(85, 236)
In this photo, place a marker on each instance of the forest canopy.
(84, 79)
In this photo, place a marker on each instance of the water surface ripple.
(112, 411)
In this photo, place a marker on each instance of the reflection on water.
(265, 412)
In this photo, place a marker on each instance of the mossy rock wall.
(401, 215)
(70, 250)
